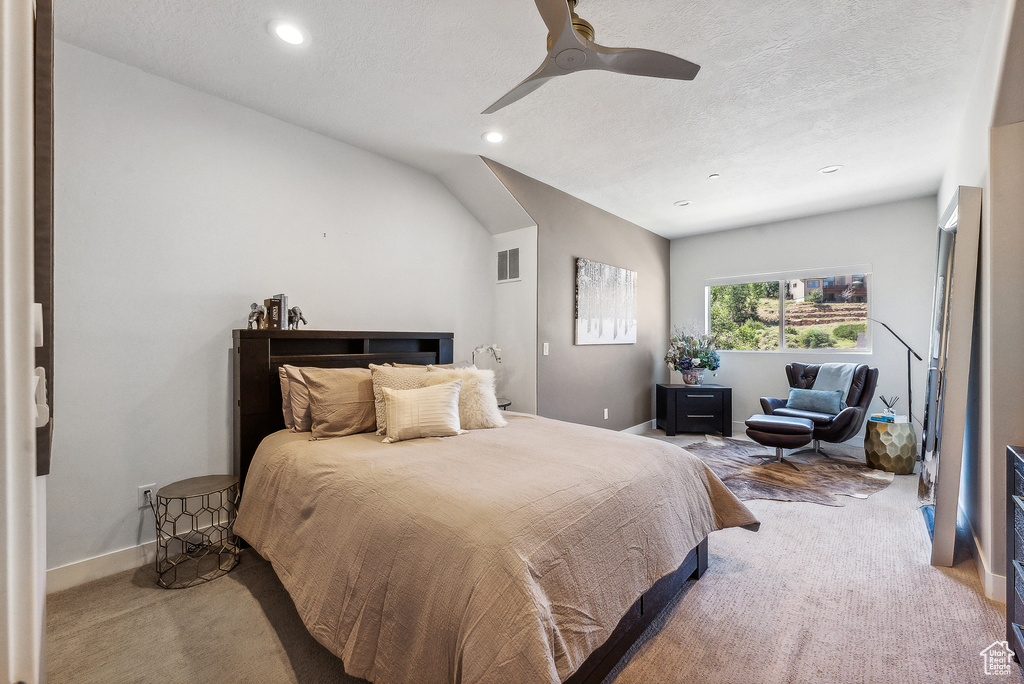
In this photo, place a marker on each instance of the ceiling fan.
(571, 47)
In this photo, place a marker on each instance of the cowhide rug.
(818, 479)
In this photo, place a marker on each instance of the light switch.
(545, 349)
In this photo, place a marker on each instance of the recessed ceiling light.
(715, 176)
(683, 203)
(493, 136)
(830, 169)
(289, 33)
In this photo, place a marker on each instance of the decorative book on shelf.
(277, 312)
(889, 418)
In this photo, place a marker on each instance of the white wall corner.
(73, 574)
(641, 428)
(992, 583)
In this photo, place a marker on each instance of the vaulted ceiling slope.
(786, 88)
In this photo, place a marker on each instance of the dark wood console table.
(694, 408)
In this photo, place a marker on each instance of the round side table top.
(504, 403)
(197, 486)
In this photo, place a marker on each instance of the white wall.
(515, 323)
(174, 211)
(969, 149)
(897, 239)
(992, 159)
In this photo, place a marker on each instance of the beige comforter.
(503, 555)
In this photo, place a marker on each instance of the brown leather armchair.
(828, 428)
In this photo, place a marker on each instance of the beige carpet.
(820, 594)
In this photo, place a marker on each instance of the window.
(746, 315)
(822, 312)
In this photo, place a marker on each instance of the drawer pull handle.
(701, 396)
(690, 415)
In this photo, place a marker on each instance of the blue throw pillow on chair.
(819, 401)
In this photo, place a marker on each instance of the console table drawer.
(697, 422)
(1017, 552)
(1018, 476)
(696, 401)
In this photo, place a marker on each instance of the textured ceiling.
(785, 88)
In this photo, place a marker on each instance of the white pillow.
(286, 398)
(302, 420)
(478, 406)
(423, 412)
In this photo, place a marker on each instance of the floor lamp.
(910, 396)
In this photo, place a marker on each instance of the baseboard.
(73, 574)
(641, 428)
(994, 584)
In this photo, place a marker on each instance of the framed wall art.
(606, 304)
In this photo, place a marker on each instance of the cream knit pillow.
(395, 378)
(478, 407)
(423, 412)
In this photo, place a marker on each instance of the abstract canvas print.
(605, 304)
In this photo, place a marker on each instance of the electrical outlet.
(545, 349)
(606, 414)
(151, 488)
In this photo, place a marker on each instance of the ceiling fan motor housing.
(582, 26)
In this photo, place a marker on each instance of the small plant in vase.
(692, 355)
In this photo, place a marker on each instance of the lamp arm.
(918, 356)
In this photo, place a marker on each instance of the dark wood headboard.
(259, 353)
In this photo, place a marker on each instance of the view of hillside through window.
(820, 312)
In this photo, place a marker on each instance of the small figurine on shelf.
(257, 317)
(295, 317)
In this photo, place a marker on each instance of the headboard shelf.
(258, 354)
(351, 360)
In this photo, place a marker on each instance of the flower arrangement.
(688, 352)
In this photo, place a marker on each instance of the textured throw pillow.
(286, 398)
(395, 378)
(299, 400)
(819, 401)
(340, 401)
(478, 407)
(423, 412)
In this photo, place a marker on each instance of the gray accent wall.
(577, 383)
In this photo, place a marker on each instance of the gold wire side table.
(194, 538)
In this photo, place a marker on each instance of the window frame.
(782, 277)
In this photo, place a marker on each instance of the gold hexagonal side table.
(891, 447)
(194, 538)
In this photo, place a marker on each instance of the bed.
(537, 552)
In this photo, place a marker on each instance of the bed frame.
(256, 358)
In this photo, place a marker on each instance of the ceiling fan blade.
(535, 80)
(555, 14)
(640, 62)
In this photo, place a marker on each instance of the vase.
(694, 376)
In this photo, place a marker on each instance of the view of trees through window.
(828, 312)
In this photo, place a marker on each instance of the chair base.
(815, 448)
(779, 457)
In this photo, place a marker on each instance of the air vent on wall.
(508, 265)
